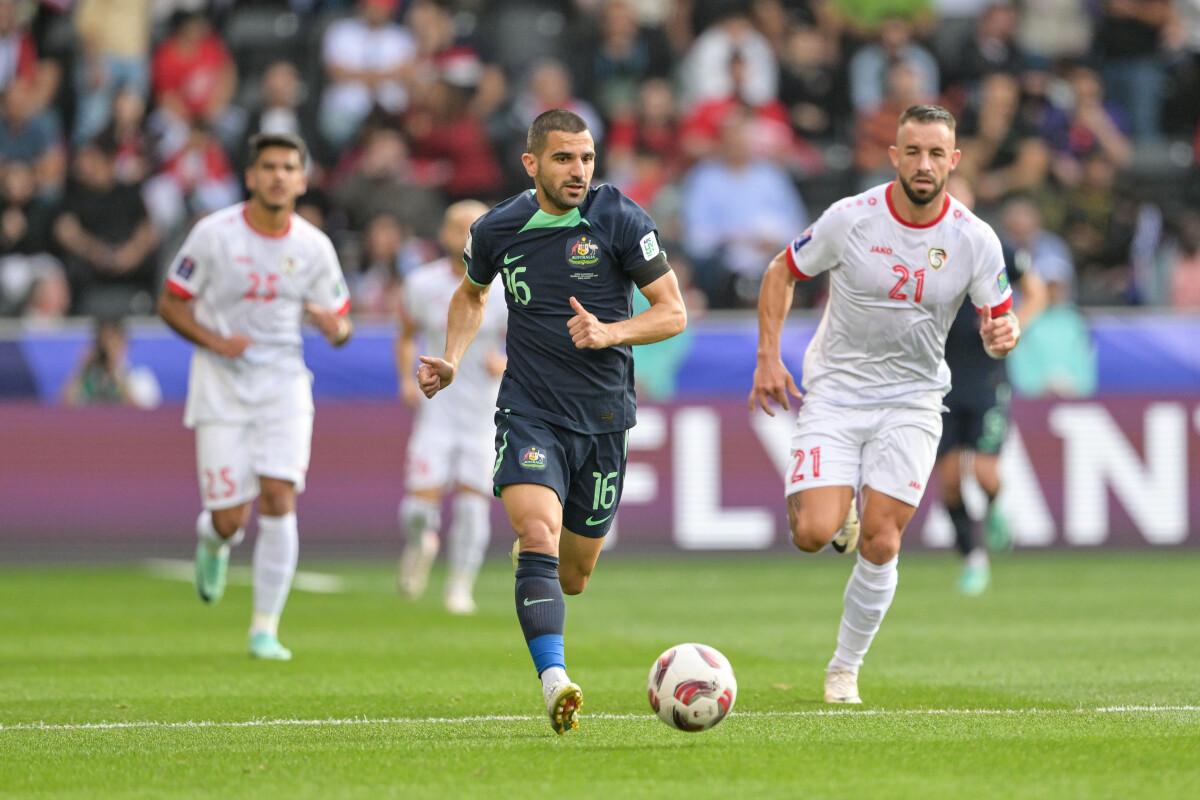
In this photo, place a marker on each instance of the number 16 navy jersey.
(595, 253)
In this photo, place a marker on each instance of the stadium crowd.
(732, 122)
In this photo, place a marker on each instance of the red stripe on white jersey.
(179, 290)
(1000, 310)
(791, 262)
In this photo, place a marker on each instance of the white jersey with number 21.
(894, 289)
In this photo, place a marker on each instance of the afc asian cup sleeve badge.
(185, 268)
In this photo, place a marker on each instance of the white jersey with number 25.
(894, 289)
(246, 282)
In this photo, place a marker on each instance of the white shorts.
(230, 458)
(892, 450)
(441, 457)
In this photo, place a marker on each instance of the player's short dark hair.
(261, 141)
(556, 119)
(928, 113)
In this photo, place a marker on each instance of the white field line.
(474, 720)
(176, 569)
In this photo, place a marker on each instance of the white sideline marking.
(177, 569)
(839, 712)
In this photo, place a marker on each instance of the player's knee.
(807, 534)
(228, 521)
(536, 534)
(881, 544)
(277, 500)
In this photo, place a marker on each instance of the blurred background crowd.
(734, 122)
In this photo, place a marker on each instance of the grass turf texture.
(1058, 637)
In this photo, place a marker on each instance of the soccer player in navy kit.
(568, 256)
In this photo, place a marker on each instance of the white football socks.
(869, 594)
(276, 551)
(552, 676)
(469, 536)
(208, 534)
(417, 516)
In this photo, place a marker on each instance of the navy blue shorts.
(587, 472)
(979, 424)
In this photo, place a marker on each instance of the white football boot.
(841, 686)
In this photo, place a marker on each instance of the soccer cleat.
(563, 701)
(267, 647)
(458, 599)
(995, 530)
(974, 579)
(847, 537)
(211, 569)
(841, 686)
(415, 563)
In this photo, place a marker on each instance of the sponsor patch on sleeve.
(649, 244)
(467, 247)
(185, 268)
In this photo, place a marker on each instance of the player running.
(901, 257)
(451, 441)
(238, 289)
(569, 256)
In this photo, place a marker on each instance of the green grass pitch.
(1074, 677)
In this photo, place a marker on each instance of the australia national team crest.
(937, 257)
(533, 458)
(583, 252)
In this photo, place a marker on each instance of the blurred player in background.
(239, 289)
(570, 255)
(901, 257)
(976, 416)
(452, 440)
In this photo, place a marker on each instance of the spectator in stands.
(128, 131)
(810, 86)
(442, 53)
(106, 236)
(194, 80)
(706, 68)
(738, 209)
(25, 245)
(388, 255)
(281, 96)
(1098, 224)
(876, 129)
(1001, 154)
(1129, 42)
(611, 62)
(31, 136)
(446, 135)
(368, 60)
(1054, 30)
(113, 50)
(1185, 264)
(1092, 125)
(20, 62)
(381, 183)
(651, 126)
(992, 47)
(104, 376)
(868, 66)
(195, 181)
(1048, 254)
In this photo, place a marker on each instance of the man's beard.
(561, 200)
(917, 199)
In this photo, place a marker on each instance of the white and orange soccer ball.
(692, 687)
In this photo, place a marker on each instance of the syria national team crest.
(583, 252)
(533, 458)
(937, 257)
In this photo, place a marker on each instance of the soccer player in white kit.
(901, 257)
(239, 289)
(453, 441)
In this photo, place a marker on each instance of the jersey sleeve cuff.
(793, 267)
(1000, 309)
(477, 283)
(343, 309)
(179, 290)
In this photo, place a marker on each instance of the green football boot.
(211, 569)
(267, 647)
(995, 530)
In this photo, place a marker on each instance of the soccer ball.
(691, 687)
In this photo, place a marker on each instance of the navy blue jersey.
(972, 371)
(595, 253)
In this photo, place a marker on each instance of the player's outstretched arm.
(463, 320)
(336, 328)
(772, 381)
(406, 354)
(666, 317)
(177, 313)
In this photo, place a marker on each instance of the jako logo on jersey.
(533, 458)
(583, 252)
(937, 257)
(186, 267)
(878, 248)
(914, 485)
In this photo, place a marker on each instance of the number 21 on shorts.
(805, 462)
